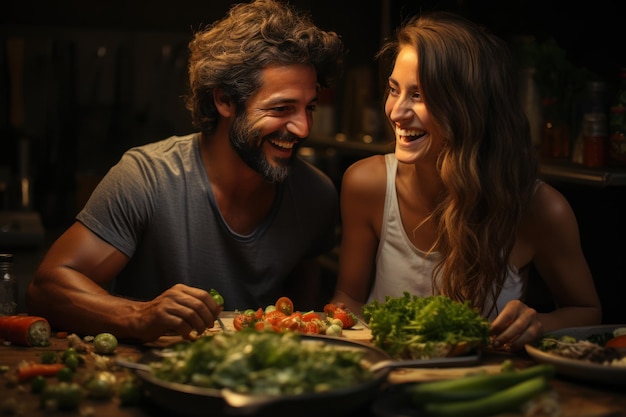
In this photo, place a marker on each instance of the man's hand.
(180, 309)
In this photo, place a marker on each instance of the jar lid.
(6, 257)
(594, 124)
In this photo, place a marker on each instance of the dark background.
(81, 110)
(80, 82)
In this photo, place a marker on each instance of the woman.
(458, 209)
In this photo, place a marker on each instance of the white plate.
(580, 369)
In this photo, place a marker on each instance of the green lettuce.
(424, 327)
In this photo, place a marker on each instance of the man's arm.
(68, 289)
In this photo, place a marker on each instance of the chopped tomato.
(340, 312)
(290, 323)
(311, 328)
(285, 305)
(274, 317)
(261, 325)
(242, 320)
(345, 317)
(618, 342)
(310, 316)
(258, 315)
(329, 309)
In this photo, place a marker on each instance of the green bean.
(474, 386)
(508, 399)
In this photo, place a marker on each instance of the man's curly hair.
(232, 52)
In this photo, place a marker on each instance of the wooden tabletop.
(577, 398)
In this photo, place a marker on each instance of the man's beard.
(248, 143)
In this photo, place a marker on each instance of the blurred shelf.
(355, 145)
(568, 172)
(550, 169)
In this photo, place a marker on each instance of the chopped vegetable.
(37, 384)
(481, 394)
(217, 297)
(65, 374)
(425, 327)
(275, 318)
(101, 385)
(341, 313)
(105, 343)
(583, 349)
(618, 342)
(72, 361)
(475, 386)
(309, 316)
(25, 330)
(61, 396)
(75, 342)
(263, 363)
(508, 399)
(285, 305)
(334, 330)
(29, 370)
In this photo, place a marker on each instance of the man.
(230, 208)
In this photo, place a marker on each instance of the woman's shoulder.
(549, 208)
(365, 182)
(365, 171)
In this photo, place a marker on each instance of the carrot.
(25, 330)
(30, 370)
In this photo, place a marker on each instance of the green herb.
(424, 327)
(262, 362)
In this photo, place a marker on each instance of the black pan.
(191, 401)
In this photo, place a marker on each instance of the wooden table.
(577, 399)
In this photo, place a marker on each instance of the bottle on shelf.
(617, 135)
(595, 101)
(594, 140)
(555, 133)
(620, 100)
(617, 123)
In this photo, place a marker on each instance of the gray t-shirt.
(157, 207)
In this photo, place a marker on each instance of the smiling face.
(277, 117)
(414, 128)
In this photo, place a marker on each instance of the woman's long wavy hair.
(487, 165)
(232, 52)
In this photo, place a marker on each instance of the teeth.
(283, 144)
(412, 132)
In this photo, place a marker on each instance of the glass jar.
(555, 133)
(8, 286)
(617, 135)
(594, 139)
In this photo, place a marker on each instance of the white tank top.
(400, 266)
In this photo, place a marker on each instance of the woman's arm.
(362, 203)
(552, 232)
(560, 261)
